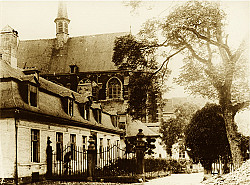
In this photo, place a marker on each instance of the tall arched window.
(114, 89)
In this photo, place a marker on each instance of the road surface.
(177, 179)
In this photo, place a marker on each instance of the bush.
(153, 165)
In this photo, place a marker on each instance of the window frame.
(35, 143)
(84, 143)
(73, 146)
(59, 146)
(68, 105)
(114, 91)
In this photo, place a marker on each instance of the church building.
(82, 64)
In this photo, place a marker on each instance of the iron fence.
(114, 161)
(69, 161)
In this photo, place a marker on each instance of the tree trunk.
(232, 138)
(207, 169)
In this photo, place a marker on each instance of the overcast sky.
(35, 20)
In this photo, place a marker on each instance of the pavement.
(177, 179)
(173, 179)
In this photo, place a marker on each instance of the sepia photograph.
(116, 92)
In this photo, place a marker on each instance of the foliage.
(130, 53)
(206, 135)
(144, 91)
(244, 146)
(153, 165)
(173, 129)
(145, 87)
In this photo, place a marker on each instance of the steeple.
(62, 23)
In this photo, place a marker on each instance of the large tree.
(213, 68)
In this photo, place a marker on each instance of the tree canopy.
(206, 136)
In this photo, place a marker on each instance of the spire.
(62, 10)
(62, 23)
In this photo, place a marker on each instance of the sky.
(35, 20)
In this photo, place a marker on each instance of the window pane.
(114, 88)
(73, 145)
(59, 146)
(35, 143)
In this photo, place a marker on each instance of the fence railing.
(69, 161)
(114, 161)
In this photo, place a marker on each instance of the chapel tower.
(62, 22)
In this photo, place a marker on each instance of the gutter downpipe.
(16, 164)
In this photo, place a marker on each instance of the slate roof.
(10, 97)
(89, 53)
(6, 71)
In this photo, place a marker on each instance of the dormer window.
(29, 94)
(33, 95)
(114, 120)
(73, 69)
(97, 115)
(84, 110)
(68, 105)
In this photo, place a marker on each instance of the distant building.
(179, 151)
(168, 110)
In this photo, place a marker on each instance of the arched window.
(114, 89)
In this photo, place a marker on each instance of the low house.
(34, 111)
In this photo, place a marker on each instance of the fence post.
(140, 149)
(49, 158)
(91, 158)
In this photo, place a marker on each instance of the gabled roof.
(7, 29)
(89, 53)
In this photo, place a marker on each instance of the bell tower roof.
(62, 10)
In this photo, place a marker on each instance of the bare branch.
(209, 48)
(190, 48)
(219, 44)
(240, 106)
(167, 60)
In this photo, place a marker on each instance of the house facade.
(34, 111)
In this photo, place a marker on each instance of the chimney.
(8, 45)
